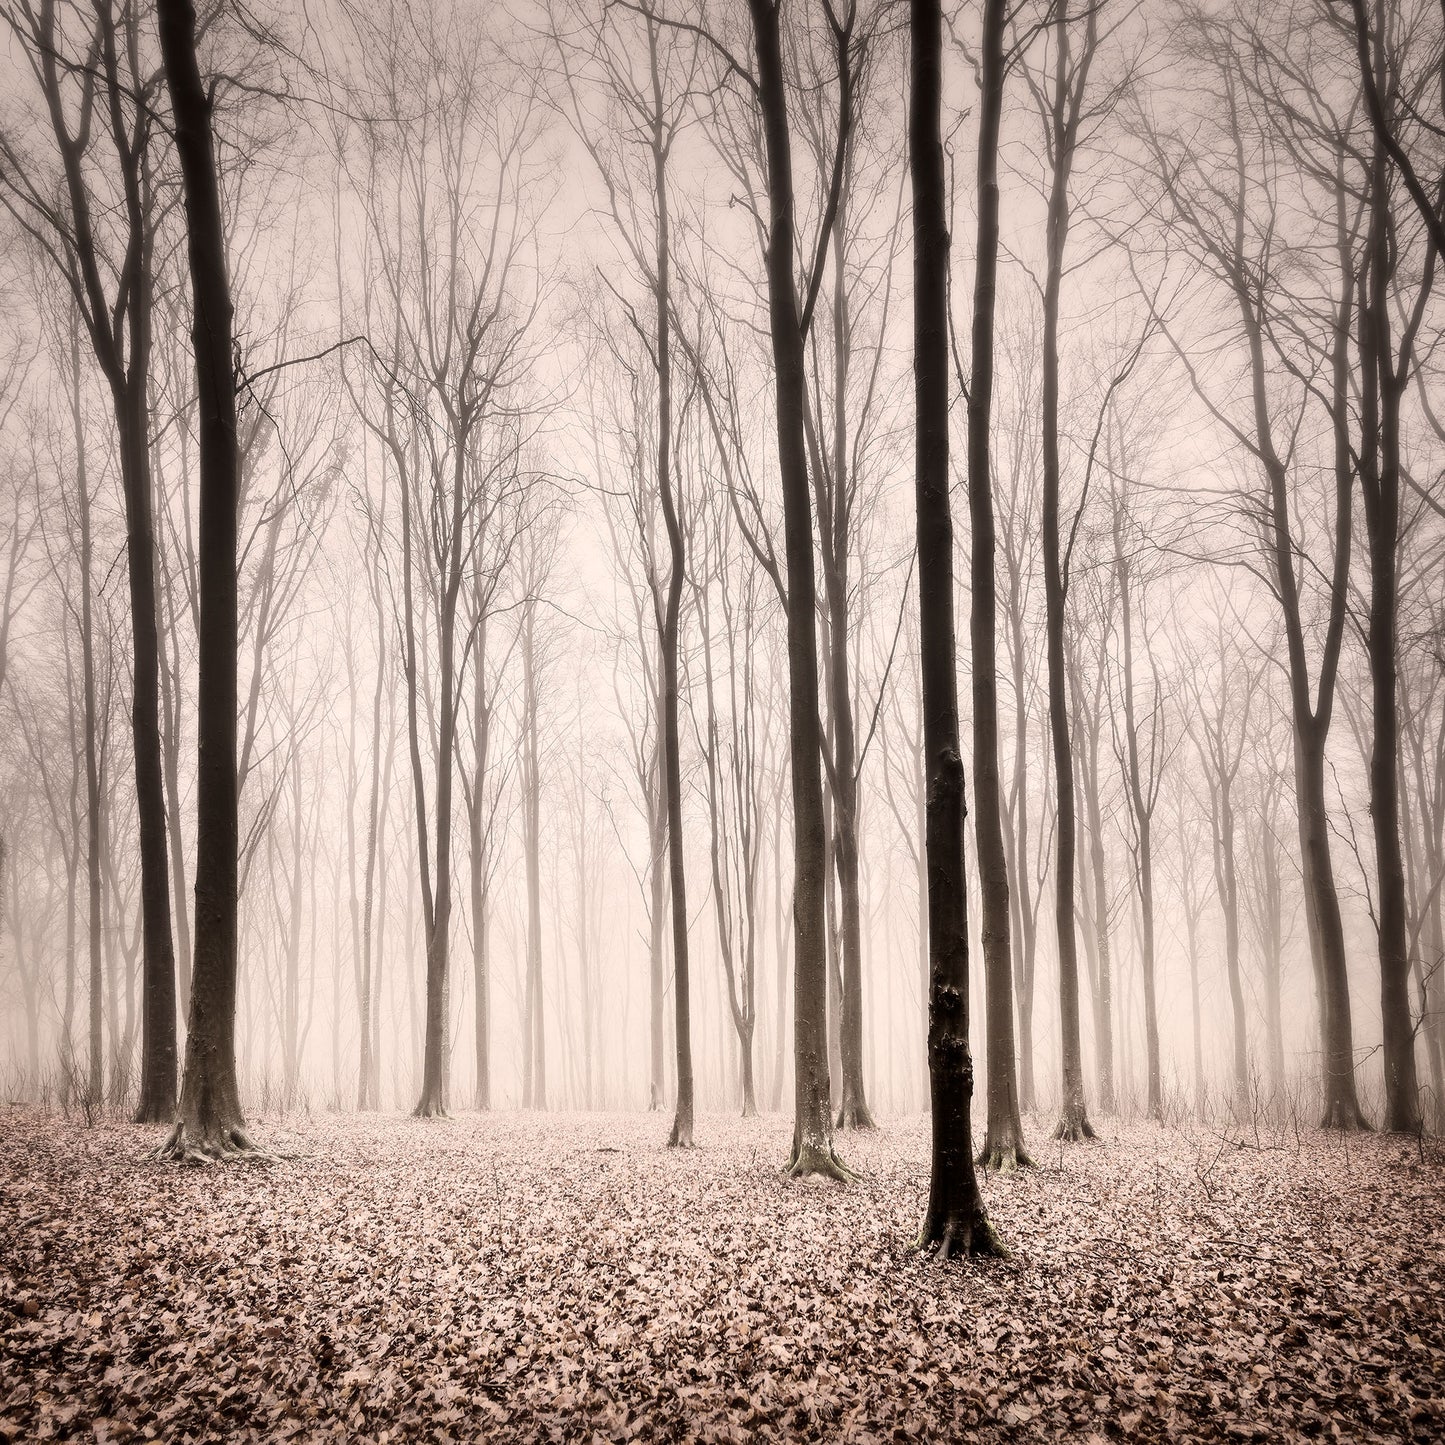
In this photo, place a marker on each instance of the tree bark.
(1074, 1118)
(812, 1150)
(210, 1121)
(1003, 1145)
(956, 1221)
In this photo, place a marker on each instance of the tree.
(1220, 722)
(96, 223)
(448, 167)
(209, 1121)
(1386, 363)
(731, 757)
(812, 1151)
(956, 1221)
(1003, 1146)
(1087, 703)
(1062, 106)
(1222, 209)
(1142, 752)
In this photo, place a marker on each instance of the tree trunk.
(1074, 1119)
(681, 1135)
(812, 1150)
(209, 1121)
(835, 525)
(956, 1221)
(1142, 797)
(534, 1054)
(1381, 391)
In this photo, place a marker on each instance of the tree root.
(964, 1238)
(1074, 1127)
(853, 1115)
(210, 1146)
(1346, 1116)
(681, 1136)
(820, 1160)
(1005, 1158)
(428, 1109)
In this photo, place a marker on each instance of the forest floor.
(566, 1277)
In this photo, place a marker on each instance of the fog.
(442, 228)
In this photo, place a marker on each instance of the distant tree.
(1222, 704)
(94, 212)
(1218, 200)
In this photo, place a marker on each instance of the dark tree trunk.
(956, 1221)
(209, 1118)
(157, 1100)
(1003, 1145)
(1382, 389)
(1074, 1118)
(812, 1150)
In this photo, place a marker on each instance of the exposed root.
(1345, 1115)
(1005, 1158)
(681, 1136)
(962, 1238)
(213, 1146)
(1074, 1127)
(853, 1115)
(819, 1160)
(430, 1109)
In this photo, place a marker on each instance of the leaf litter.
(566, 1277)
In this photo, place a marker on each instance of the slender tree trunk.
(1024, 929)
(1381, 388)
(209, 1119)
(835, 521)
(956, 1221)
(94, 779)
(681, 1136)
(1142, 797)
(535, 1059)
(656, 930)
(780, 959)
(1074, 1118)
(1227, 883)
(1326, 928)
(812, 1149)
(1003, 1146)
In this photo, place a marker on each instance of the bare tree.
(209, 1121)
(956, 1221)
(1222, 209)
(96, 222)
